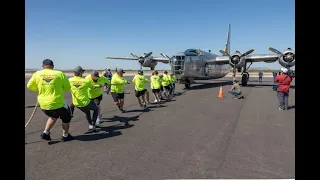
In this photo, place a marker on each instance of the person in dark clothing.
(283, 81)
(108, 75)
(274, 76)
(260, 77)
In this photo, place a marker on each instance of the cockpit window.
(180, 58)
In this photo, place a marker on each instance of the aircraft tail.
(227, 47)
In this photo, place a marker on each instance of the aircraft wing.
(219, 60)
(158, 59)
(268, 58)
(163, 60)
(122, 58)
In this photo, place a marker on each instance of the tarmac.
(197, 135)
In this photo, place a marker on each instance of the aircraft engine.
(237, 61)
(148, 62)
(288, 59)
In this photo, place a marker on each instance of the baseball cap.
(284, 70)
(78, 69)
(95, 74)
(47, 62)
(120, 70)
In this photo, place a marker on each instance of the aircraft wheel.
(244, 80)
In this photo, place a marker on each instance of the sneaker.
(280, 108)
(123, 111)
(144, 104)
(92, 129)
(68, 138)
(155, 100)
(45, 136)
(98, 121)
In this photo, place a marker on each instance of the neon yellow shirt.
(140, 82)
(96, 92)
(79, 91)
(173, 79)
(51, 86)
(165, 80)
(155, 82)
(117, 84)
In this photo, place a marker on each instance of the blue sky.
(82, 32)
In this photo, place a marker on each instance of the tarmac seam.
(233, 128)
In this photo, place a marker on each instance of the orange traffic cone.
(220, 93)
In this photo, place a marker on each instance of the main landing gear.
(245, 79)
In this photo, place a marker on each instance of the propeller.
(164, 55)
(275, 51)
(141, 58)
(236, 58)
(288, 56)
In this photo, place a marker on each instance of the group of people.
(87, 93)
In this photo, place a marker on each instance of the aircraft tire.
(244, 79)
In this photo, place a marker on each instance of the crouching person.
(235, 90)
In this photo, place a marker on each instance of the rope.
(34, 110)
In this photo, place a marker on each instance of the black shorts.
(161, 88)
(117, 96)
(155, 90)
(97, 100)
(140, 93)
(62, 113)
(167, 87)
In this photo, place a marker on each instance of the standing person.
(283, 81)
(173, 82)
(51, 86)
(161, 87)
(80, 97)
(260, 77)
(166, 83)
(108, 75)
(274, 76)
(117, 89)
(156, 86)
(140, 81)
(236, 90)
(95, 94)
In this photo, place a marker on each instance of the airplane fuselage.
(192, 65)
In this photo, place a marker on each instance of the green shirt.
(51, 85)
(79, 91)
(166, 80)
(140, 82)
(117, 84)
(96, 92)
(155, 82)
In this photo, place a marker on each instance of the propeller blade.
(247, 53)
(163, 55)
(275, 51)
(147, 55)
(224, 53)
(134, 55)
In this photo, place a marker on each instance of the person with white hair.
(283, 85)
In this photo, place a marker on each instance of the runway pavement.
(195, 136)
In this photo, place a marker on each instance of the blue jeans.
(233, 92)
